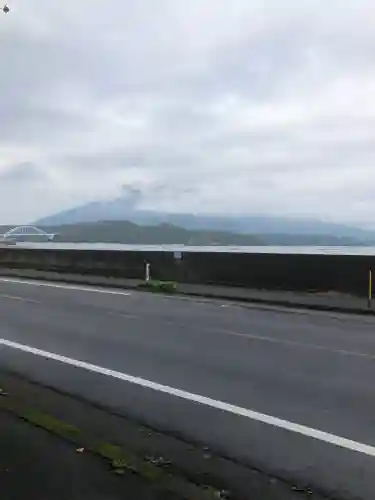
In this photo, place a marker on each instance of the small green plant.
(159, 286)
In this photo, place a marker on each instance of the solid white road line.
(196, 398)
(67, 287)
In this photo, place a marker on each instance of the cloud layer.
(206, 105)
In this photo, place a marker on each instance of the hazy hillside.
(121, 210)
(128, 232)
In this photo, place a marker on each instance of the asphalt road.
(291, 392)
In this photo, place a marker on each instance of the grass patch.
(159, 286)
(119, 459)
(51, 424)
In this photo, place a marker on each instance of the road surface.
(291, 392)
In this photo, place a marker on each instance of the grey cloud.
(186, 103)
(142, 157)
(23, 172)
(28, 123)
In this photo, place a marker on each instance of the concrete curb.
(287, 304)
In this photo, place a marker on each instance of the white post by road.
(148, 274)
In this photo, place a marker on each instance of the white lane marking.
(16, 297)
(250, 336)
(196, 398)
(67, 287)
(251, 306)
(224, 332)
(119, 314)
(294, 343)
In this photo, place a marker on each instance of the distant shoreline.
(283, 249)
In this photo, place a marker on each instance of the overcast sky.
(254, 106)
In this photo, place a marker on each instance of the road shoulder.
(46, 430)
(330, 300)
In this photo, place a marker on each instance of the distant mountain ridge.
(129, 233)
(166, 234)
(123, 209)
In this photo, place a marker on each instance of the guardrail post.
(147, 272)
(369, 297)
